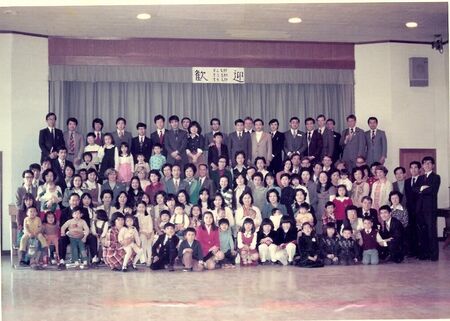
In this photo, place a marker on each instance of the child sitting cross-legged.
(190, 252)
(308, 248)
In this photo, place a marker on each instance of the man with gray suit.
(353, 143)
(261, 143)
(176, 142)
(27, 187)
(121, 135)
(74, 142)
(175, 184)
(294, 139)
(239, 141)
(327, 136)
(376, 143)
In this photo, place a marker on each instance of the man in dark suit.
(399, 184)
(216, 150)
(97, 126)
(294, 140)
(248, 125)
(411, 206)
(327, 136)
(376, 143)
(50, 138)
(337, 151)
(141, 144)
(392, 234)
(158, 136)
(121, 135)
(277, 147)
(215, 128)
(353, 143)
(239, 141)
(428, 187)
(314, 142)
(176, 142)
(59, 167)
(203, 179)
(366, 211)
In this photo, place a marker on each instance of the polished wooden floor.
(412, 290)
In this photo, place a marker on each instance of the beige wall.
(24, 101)
(413, 117)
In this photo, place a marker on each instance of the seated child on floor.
(329, 245)
(266, 242)
(308, 248)
(246, 243)
(131, 243)
(190, 252)
(165, 249)
(226, 244)
(348, 250)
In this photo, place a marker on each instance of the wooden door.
(407, 155)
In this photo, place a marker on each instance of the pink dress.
(125, 169)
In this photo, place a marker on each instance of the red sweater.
(340, 208)
(208, 240)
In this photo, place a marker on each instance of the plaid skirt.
(113, 253)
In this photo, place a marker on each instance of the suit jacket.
(395, 246)
(337, 152)
(176, 142)
(315, 146)
(373, 215)
(161, 249)
(144, 149)
(412, 195)
(236, 145)
(170, 186)
(214, 154)
(427, 198)
(396, 187)
(118, 188)
(208, 184)
(127, 137)
(47, 143)
(60, 178)
(293, 144)
(154, 137)
(263, 148)
(210, 136)
(21, 191)
(78, 146)
(197, 253)
(354, 147)
(328, 143)
(377, 148)
(277, 152)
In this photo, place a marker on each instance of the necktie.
(71, 144)
(294, 133)
(201, 181)
(239, 135)
(351, 131)
(373, 136)
(384, 226)
(413, 182)
(141, 142)
(161, 137)
(53, 134)
(176, 184)
(176, 134)
(62, 165)
(309, 138)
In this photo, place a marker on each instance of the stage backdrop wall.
(275, 93)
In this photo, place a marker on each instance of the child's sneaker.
(53, 262)
(77, 263)
(95, 259)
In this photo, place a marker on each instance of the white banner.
(218, 75)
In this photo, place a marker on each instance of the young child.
(329, 245)
(344, 180)
(50, 197)
(146, 233)
(87, 162)
(157, 160)
(369, 240)
(308, 248)
(226, 244)
(341, 201)
(266, 242)
(165, 249)
(246, 243)
(131, 242)
(195, 216)
(303, 216)
(190, 252)
(99, 228)
(50, 230)
(124, 164)
(286, 241)
(93, 149)
(347, 248)
(276, 218)
(180, 220)
(329, 216)
(77, 231)
(32, 226)
(141, 163)
(164, 218)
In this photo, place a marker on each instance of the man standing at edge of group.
(50, 138)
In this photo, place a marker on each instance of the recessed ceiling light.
(295, 20)
(411, 24)
(143, 16)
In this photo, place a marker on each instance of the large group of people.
(178, 197)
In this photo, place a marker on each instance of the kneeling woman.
(208, 236)
(113, 253)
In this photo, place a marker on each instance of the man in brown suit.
(261, 142)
